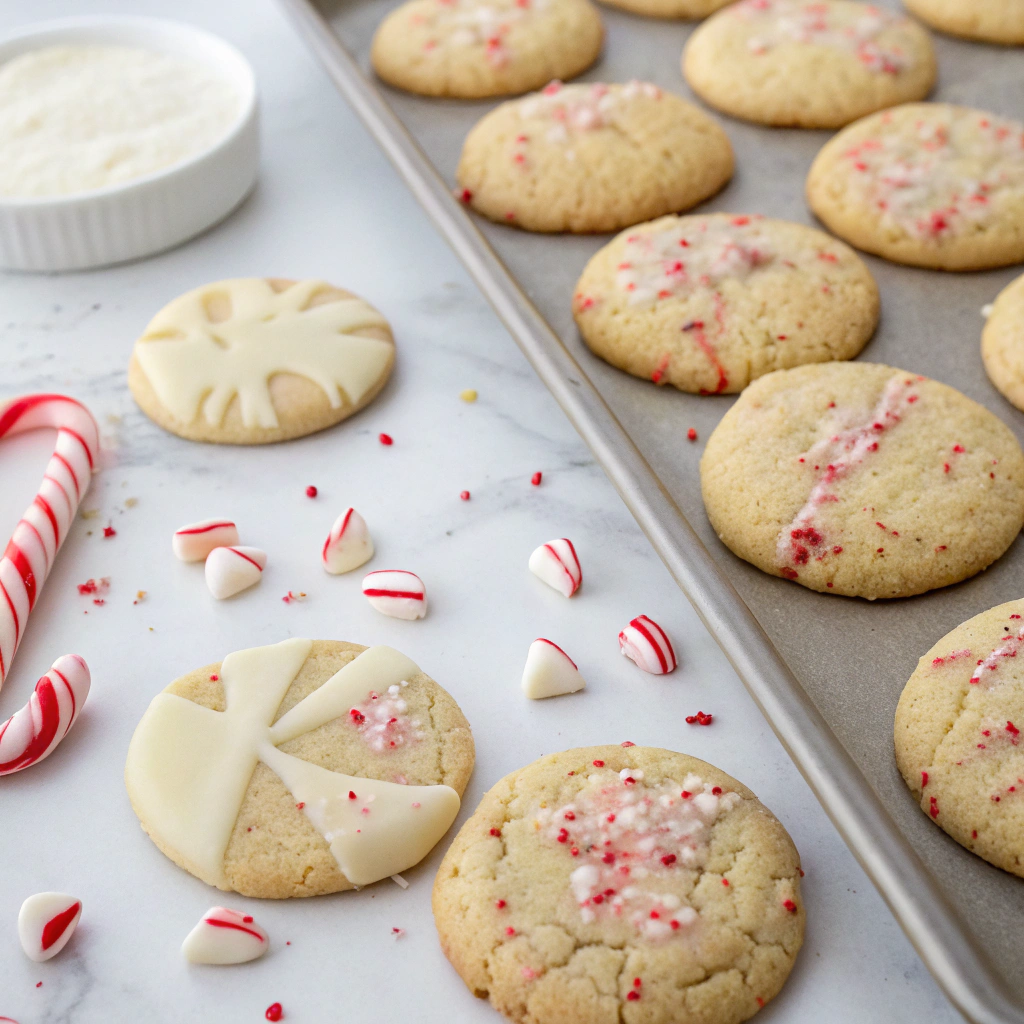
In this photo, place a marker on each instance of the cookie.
(992, 21)
(863, 480)
(958, 735)
(477, 48)
(708, 303)
(928, 184)
(589, 158)
(302, 768)
(621, 883)
(688, 9)
(254, 360)
(1002, 343)
(808, 63)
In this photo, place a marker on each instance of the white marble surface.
(329, 205)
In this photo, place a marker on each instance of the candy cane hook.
(34, 731)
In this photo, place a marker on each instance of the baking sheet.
(851, 657)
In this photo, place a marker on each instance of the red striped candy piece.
(397, 593)
(646, 644)
(229, 571)
(549, 671)
(557, 565)
(225, 936)
(194, 542)
(45, 923)
(348, 545)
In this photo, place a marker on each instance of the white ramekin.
(151, 213)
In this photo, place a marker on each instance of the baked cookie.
(1002, 343)
(478, 48)
(588, 158)
(614, 883)
(254, 360)
(929, 184)
(688, 9)
(298, 769)
(958, 735)
(992, 21)
(864, 480)
(808, 63)
(708, 303)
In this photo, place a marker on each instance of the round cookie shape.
(808, 63)
(685, 9)
(958, 735)
(479, 48)
(1002, 343)
(603, 877)
(927, 184)
(255, 360)
(864, 480)
(298, 769)
(991, 21)
(709, 302)
(591, 158)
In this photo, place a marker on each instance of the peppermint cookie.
(859, 479)
(1002, 343)
(929, 184)
(478, 48)
(621, 883)
(588, 158)
(253, 360)
(299, 769)
(808, 63)
(670, 8)
(992, 21)
(708, 303)
(958, 735)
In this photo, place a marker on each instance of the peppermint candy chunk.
(647, 645)
(225, 936)
(194, 542)
(45, 923)
(229, 571)
(557, 565)
(348, 545)
(549, 671)
(396, 592)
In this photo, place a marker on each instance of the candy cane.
(33, 732)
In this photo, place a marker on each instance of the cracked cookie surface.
(619, 884)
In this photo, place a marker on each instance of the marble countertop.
(328, 205)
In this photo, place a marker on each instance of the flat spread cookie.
(708, 303)
(929, 184)
(1002, 343)
(670, 8)
(992, 21)
(621, 884)
(254, 360)
(808, 63)
(302, 768)
(958, 735)
(588, 158)
(864, 480)
(478, 48)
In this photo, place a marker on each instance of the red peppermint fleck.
(536, 478)
(725, 881)
(464, 495)
(386, 439)
(759, 1001)
(924, 779)
(599, 764)
(311, 491)
(632, 995)
(495, 831)
(274, 1012)
(109, 531)
(933, 807)
(214, 678)
(716, 790)
(465, 195)
(351, 795)
(500, 904)
(630, 743)
(510, 930)
(300, 805)
(1012, 729)
(790, 906)
(699, 719)
(691, 434)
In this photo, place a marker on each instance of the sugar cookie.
(687, 9)
(1002, 343)
(992, 21)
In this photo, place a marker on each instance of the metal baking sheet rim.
(936, 930)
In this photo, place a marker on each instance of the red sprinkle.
(500, 904)
(924, 779)
(536, 478)
(628, 743)
(599, 764)
(109, 531)
(691, 434)
(510, 930)
(933, 807)
(386, 439)
(311, 491)
(790, 906)
(495, 831)
(632, 995)
(699, 719)
(464, 495)
(725, 881)
(274, 1012)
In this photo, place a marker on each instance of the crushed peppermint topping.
(572, 109)
(383, 720)
(470, 24)
(987, 666)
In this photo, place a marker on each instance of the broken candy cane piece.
(550, 671)
(396, 592)
(45, 923)
(33, 733)
(557, 565)
(229, 571)
(225, 936)
(646, 644)
(194, 542)
(348, 545)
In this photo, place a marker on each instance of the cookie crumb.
(468, 395)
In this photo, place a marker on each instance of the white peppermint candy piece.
(194, 542)
(229, 571)
(397, 593)
(45, 923)
(348, 545)
(549, 671)
(557, 565)
(644, 642)
(225, 936)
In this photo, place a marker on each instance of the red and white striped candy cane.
(33, 732)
